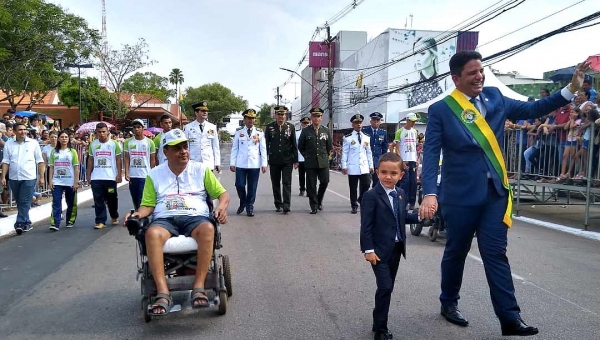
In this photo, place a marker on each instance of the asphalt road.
(298, 276)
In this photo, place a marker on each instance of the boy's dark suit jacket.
(378, 224)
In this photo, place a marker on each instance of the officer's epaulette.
(259, 130)
(238, 129)
(348, 135)
(364, 133)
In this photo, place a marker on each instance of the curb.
(39, 214)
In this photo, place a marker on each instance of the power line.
(342, 13)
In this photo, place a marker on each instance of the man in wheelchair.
(175, 196)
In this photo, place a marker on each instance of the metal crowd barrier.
(535, 165)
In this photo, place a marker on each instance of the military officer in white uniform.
(203, 138)
(357, 160)
(248, 158)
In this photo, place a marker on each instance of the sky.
(243, 43)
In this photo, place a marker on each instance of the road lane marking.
(522, 279)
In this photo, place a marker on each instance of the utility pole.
(277, 95)
(330, 81)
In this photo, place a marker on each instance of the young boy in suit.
(383, 235)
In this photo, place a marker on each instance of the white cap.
(174, 137)
(138, 121)
(412, 117)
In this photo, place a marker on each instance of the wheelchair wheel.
(433, 233)
(415, 229)
(145, 313)
(222, 303)
(227, 275)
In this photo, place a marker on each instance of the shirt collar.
(387, 191)
(468, 97)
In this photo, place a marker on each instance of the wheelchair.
(180, 257)
(436, 224)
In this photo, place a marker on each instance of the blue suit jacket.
(378, 224)
(379, 143)
(465, 166)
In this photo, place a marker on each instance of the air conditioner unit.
(322, 75)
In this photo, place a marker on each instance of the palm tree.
(176, 78)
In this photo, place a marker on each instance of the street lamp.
(321, 93)
(79, 67)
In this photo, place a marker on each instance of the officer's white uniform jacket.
(203, 144)
(357, 157)
(249, 151)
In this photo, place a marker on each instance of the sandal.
(199, 298)
(156, 304)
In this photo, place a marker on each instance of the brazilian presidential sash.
(472, 119)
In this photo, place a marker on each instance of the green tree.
(264, 115)
(37, 39)
(148, 83)
(176, 78)
(94, 99)
(221, 101)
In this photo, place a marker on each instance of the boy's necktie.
(394, 195)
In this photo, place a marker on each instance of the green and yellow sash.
(472, 119)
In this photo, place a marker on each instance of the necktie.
(394, 195)
(201, 127)
(476, 104)
(249, 132)
(359, 142)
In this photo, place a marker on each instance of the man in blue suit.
(379, 141)
(475, 192)
(383, 235)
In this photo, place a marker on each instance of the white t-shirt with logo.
(408, 143)
(139, 156)
(105, 159)
(183, 195)
(63, 163)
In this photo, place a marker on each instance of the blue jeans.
(136, 189)
(243, 176)
(22, 193)
(70, 198)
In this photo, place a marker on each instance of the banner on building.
(318, 55)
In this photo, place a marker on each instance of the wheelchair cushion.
(179, 245)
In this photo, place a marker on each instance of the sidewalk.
(38, 214)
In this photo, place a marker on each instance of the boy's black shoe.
(19, 230)
(354, 210)
(27, 227)
(313, 211)
(383, 335)
(240, 209)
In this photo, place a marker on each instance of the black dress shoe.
(320, 207)
(453, 315)
(286, 210)
(518, 327)
(3, 215)
(250, 213)
(301, 193)
(240, 210)
(278, 209)
(354, 210)
(313, 211)
(383, 335)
